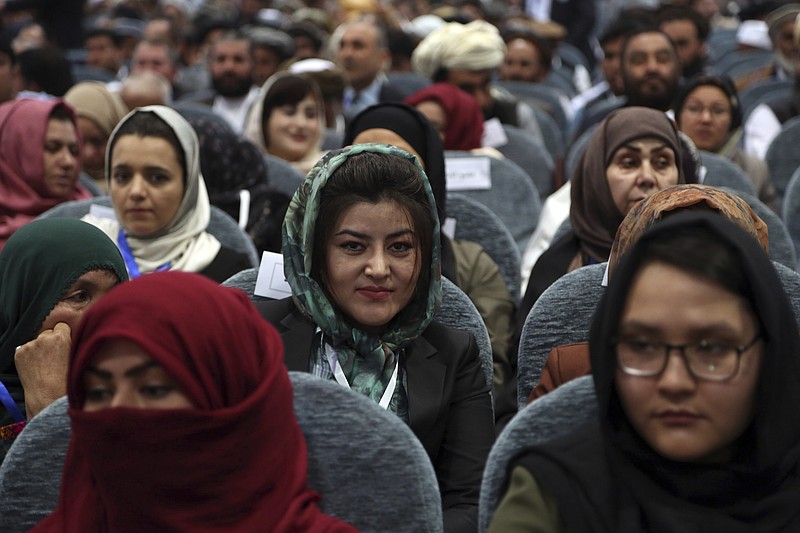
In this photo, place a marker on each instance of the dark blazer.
(449, 405)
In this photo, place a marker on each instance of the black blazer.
(450, 409)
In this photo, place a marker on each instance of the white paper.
(102, 211)
(271, 282)
(449, 227)
(469, 174)
(494, 135)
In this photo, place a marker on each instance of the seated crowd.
(211, 205)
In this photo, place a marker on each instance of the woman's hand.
(42, 367)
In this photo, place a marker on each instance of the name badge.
(469, 174)
(494, 135)
(271, 282)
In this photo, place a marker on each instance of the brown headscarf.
(593, 214)
(678, 197)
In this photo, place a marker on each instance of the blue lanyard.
(10, 404)
(130, 261)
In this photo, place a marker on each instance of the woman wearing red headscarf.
(40, 161)
(453, 112)
(182, 417)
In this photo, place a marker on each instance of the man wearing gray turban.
(466, 55)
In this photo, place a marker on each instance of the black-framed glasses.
(711, 361)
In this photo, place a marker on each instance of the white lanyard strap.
(244, 208)
(338, 374)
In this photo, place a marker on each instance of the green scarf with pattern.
(366, 360)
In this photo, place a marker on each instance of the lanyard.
(130, 261)
(244, 208)
(342, 379)
(10, 404)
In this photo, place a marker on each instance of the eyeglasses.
(705, 360)
(699, 109)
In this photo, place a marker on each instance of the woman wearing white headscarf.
(160, 198)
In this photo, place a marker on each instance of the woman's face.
(61, 157)
(294, 130)
(79, 297)
(638, 169)
(386, 136)
(94, 147)
(373, 263)
(681, 417)
(706, 117)
(435, 114)
(146, 183)
(122, 374)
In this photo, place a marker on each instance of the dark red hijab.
(237, 462)
(464, 116)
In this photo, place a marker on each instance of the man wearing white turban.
(466, 55)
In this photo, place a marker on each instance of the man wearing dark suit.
(364, 55)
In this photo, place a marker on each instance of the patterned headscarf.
(680, 197)
(368, 361)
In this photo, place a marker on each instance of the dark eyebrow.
(637, 149)
(148, 168)
(366, 237)
(133, 372)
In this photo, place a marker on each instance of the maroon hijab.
(464, 116)
(23, 193)
(236, 462)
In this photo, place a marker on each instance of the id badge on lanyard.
(338, 374)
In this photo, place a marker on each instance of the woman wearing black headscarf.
(707, 109)
(696, 388)
(465, 263)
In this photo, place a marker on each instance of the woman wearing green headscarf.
(361, 254)
(51, 271)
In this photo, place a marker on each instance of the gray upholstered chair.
(527, 151)
(282, 176)
(549, 417)
(575, 151)
(552, 136)
(783, 157)
(763, 91)
(354, 447)
(456, 311)
(541, 96)
(791, 210)
(781, 247)
(220, 225)
(87, 181)
(339, 425)
(30, 476)
(562, 315)
(407, 83)
(513, 197)
(476, 223)
(332, 139)
(564, 312)
(722, 172)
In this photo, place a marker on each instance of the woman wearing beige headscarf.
(287, 120)
(99, 111)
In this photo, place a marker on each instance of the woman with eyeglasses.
(707, 109)
(694, 353)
